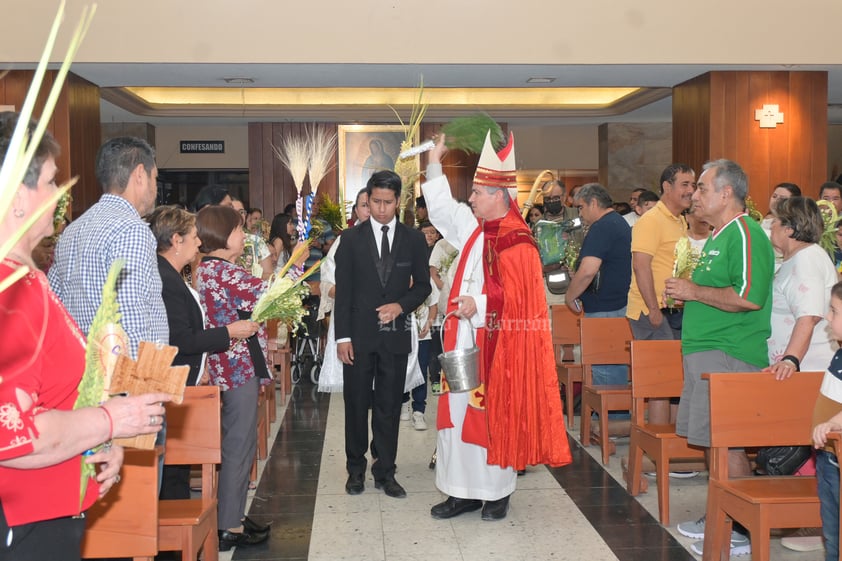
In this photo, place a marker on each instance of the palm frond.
(407, 168)
(330, 212)
(830, 220)
(468, 133)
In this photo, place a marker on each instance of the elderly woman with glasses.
(800, 338)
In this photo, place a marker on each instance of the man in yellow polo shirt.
(654, 237)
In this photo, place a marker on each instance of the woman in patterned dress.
(225, 290)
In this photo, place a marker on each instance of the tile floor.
(578, 512)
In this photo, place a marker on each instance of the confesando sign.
(202, 146)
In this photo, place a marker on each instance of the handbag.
(782, 460)
(255, 352)
(557, 281)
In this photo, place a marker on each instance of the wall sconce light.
(769, 116)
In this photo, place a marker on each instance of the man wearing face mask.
(554, 193)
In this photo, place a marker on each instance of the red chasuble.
(516, 413)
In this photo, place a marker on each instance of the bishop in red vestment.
(514, 418)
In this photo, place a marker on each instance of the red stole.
(516, 412)
(475, 426)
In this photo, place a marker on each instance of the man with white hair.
(489, 433)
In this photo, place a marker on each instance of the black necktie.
(384, 243)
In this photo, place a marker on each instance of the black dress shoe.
(227, 539)
(454, 507)
(391, 487)
(355, 484)
(495, 510)
(251, 526)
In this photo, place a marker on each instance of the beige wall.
(533, 31)
(573, 147)
(236, 147)
(633, 155)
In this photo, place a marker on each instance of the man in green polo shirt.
(727, 312)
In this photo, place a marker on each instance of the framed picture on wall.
(363, 150)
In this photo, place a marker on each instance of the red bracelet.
(110, 423)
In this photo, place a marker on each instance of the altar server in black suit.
(382, 276)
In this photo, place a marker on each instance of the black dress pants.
(387, 372)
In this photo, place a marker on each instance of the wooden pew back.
(750, 409)
(194, 433)
(194, 436)
(125, 522)
(565, 326)
(754, 409)
(604, 341)
(658, 373)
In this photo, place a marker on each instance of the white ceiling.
(408, 75)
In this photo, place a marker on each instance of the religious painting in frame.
(363, 150)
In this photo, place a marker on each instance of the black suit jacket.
(359, 290)
(184, 316)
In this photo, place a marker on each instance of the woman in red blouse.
(42, 359)
(228, 291)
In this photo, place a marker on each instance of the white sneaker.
(693, 529)
(683, 474)
(406, 411)
(418, 422)
(740, 545)
(674, 474)
(804, 539)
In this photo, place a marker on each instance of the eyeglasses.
(552, 199)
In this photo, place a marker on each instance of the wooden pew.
(194, 436)
(604, 341)
(749, 409)
(125, 522)
(263, 422)
(565, 332)
(658, 373)
(279, 358)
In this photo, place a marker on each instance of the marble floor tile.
(579, 512)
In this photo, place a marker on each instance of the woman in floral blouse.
(224, 289)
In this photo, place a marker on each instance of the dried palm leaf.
(22, 147)
(407, 168)
(322, 149)
(294, 154)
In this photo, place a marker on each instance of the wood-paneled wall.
(75, 125)
(271, 187)
(713, 117)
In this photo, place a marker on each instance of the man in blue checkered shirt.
(113, 229)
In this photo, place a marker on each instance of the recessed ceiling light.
(239, 81)
(540, 80)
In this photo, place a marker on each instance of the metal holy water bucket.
(460, 366)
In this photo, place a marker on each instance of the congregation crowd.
(754, 293)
